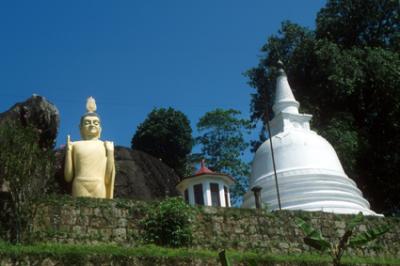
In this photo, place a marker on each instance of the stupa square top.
(309, 173)
(89, 163)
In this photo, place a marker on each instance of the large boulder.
(139, 176)
(142, 176)
(38, 113)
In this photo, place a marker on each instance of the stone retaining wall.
(47, 260)
(38, 260)
(116, 221)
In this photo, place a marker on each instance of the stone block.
(210, 210)
(48, 262)
(295, 250)
(362, 228)
(216, 227)
(106, 233)
(41, 221)
(78, 230)
(68, 219)
(119, 234)
(83, 220)
(238, 230)
(92, 232)
(283, 245)
(340, 225)
(251, 229)
(120, 212)
(340, 232)
(65, 228)
(98, 212)
(98, 222)
(122, 222)
(86, 211)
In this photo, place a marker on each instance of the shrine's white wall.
(205, 180)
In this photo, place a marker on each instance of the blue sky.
(132, 56)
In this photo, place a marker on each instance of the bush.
(168, 224)
(25, 170)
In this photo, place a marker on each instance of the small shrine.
(206, 188)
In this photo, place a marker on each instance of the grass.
(66, 251)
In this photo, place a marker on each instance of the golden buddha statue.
(89, 163)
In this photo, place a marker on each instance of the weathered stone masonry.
(118, 221)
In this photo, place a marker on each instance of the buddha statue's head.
(89, 126)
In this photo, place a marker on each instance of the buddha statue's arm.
(110, 170)
(68, 167)
(110, 161)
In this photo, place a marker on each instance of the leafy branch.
(313, 237)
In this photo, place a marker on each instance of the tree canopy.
(165, 134)
(346, 73)
(222, 142)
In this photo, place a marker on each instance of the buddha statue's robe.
(89, 159)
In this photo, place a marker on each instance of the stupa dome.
(309, 173)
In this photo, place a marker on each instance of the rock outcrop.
(39, 113)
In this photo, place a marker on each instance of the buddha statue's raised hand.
(69, 143)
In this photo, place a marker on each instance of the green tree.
(165, 134)
(347, 74)
(222, 142)
(27, 171)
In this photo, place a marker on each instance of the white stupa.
(309, 173)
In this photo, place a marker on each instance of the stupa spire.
(284, 98)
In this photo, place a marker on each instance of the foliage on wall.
(169, 223)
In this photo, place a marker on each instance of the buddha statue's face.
(90, 128)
